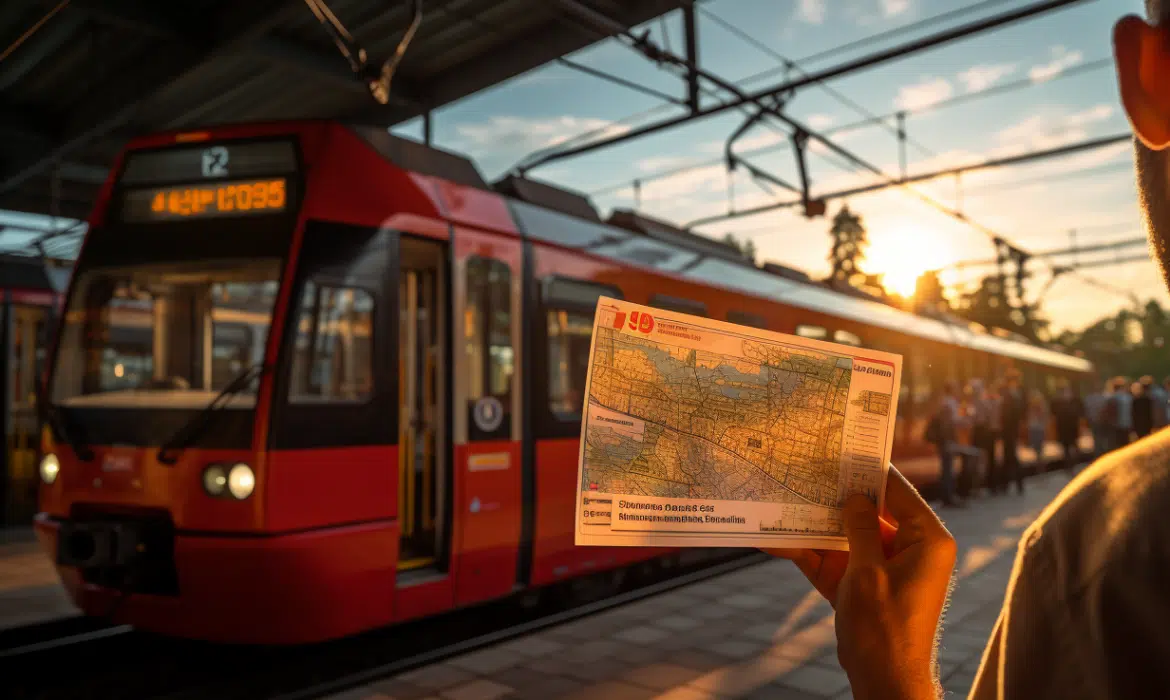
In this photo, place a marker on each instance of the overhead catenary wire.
(993, 91)
(628, 121)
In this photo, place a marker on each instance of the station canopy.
(80, 77)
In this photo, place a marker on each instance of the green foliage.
(1131, 343)
(747, 247)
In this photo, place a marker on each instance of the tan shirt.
(1087, 610)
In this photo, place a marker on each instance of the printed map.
(697, 432)
(764, 425)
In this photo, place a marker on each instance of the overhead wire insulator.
(377, 80)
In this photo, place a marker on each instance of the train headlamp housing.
(236, 481)
(49, 468)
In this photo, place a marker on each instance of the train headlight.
(50, 468)
(215, 480)
(241, 481)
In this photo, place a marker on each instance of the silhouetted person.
(1068, 411)
(983, 429)
(1143, 407)
(1038, 417)
(1096, 414)
(1012, 411)
(943, 432)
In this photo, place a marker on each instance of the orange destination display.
(240, 198)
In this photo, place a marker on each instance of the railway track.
(119, 662)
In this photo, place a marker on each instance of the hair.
(1146, 381)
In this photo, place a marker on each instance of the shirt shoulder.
(1114, 514)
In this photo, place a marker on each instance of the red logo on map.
(641, 322)
(619, 320)
(592, 486)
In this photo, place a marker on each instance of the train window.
(682, 306)
(488, 339)
(744, 318)
(846, 338)
(569, 309)
(814, 332)
(333, 354)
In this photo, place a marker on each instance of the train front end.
(153, 458)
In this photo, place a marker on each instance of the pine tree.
(849, 241)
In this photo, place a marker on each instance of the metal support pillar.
(427, 127)
(637, 194)
(691, 29)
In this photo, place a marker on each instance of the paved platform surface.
(760, 632)
(29, 590)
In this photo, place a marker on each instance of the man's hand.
(888, 598)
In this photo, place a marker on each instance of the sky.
(1067, 94)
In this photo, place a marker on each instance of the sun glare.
(901, 255)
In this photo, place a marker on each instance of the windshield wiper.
(57, 422)
(193, 428)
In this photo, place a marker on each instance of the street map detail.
(703, 433)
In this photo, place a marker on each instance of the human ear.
(1142, 54)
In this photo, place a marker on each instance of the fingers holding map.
(700, 433)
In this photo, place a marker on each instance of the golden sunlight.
(902, 253)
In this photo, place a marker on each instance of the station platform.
(30, 592)
(760, 632)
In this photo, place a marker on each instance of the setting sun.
(903, 253)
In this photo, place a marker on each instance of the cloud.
(979, 78)
(508, 133)
(1062, 59)
(894, 7)
(820, 121)
(1044, 131)
(657, 163)
(923, 94)
(812, 11)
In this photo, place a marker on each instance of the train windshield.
(164, 335)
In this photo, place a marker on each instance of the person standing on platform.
(995, 481)
(943, 432)
(1122, 413)
(1095, 414)
(1068, 411)
(1086, 613)
(1038, 416)
(1143, 407)
(982, 431)
(1012, 411)
(1161, 406)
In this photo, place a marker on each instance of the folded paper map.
(700, 433)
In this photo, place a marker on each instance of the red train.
(314, 379)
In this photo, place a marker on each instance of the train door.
(24, 341)
(488, 501)
(422, 418)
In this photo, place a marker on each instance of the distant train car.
(30, 294)
(315, 379)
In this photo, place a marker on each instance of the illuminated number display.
(266, 196)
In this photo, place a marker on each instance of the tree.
(928, 293)
(849, 241)
(990, 306)
(1131, 343)
(746, 247)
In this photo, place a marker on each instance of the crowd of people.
(981, 426)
